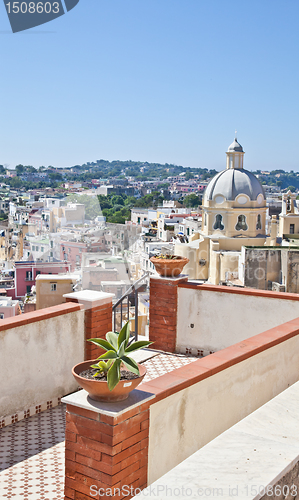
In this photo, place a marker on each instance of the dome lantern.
(234, 155)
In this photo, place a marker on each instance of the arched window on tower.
(241, 224)
(259, 222)
(288, 204)
(205, 221)
(218, 223)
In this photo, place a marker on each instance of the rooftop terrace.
(32, 451)
(221, 355)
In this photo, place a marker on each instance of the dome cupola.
(230, 183)
(234, 181)
(234, 155)
(235, 146)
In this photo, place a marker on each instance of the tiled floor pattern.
(165, 363)
(32, 457)
(32, 451)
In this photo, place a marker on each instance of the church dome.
(232, 182)
(235, 146)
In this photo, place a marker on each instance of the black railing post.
(136, 314)
(128, 308)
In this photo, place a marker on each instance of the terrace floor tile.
(32, 451)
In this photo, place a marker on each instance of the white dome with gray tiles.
(232, 182)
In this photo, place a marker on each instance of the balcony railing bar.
(133, 288)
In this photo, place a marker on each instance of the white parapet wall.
(38, 351)
(211, 320)
(255, 459)
(182, 423)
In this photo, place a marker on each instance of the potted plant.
(113, 375)
(169, 265)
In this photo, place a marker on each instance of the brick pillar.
(106, 449)
(98, 317)
(163, 312)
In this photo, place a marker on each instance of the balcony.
(199, 414)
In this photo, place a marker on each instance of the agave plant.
(118, 347)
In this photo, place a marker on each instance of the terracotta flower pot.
(169, 267)
(98, 389)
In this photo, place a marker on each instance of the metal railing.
(119, 305)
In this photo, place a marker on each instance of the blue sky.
(153, 80)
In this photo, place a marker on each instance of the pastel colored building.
(26, 272)
(9, 308)
(50, 289)
(71, 251)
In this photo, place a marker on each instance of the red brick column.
(98, 317)
(163, 312)
(105, 451)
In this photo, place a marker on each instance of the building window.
(289, 206)
(51, 254)
(28, 276)
(33, 248)
(51, 243)
(69, 250)
(65, 256)
(53, 287)
(188, 231)
(36, 248)
(1, 316)
(42, 249)
(138, 220)
(63, 249)
(259, 222)
(292, 228)
(218, 222)
(37, 273)
(205, 219)
(241, 224)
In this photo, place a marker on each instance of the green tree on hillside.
(191, 200)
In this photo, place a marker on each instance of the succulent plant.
(117, 347)
(168, 257)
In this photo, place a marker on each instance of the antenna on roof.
(235, 135)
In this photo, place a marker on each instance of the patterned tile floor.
(165, 363)
(32, 457)
(32, 450)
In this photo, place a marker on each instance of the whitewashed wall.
(222, 319)
(37, 359)
(187, 420)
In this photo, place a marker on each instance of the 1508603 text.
(32, 7)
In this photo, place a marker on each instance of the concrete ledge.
(172, 279)
(242, 291)
(82, 400)
(40, 315)
(89, 298)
